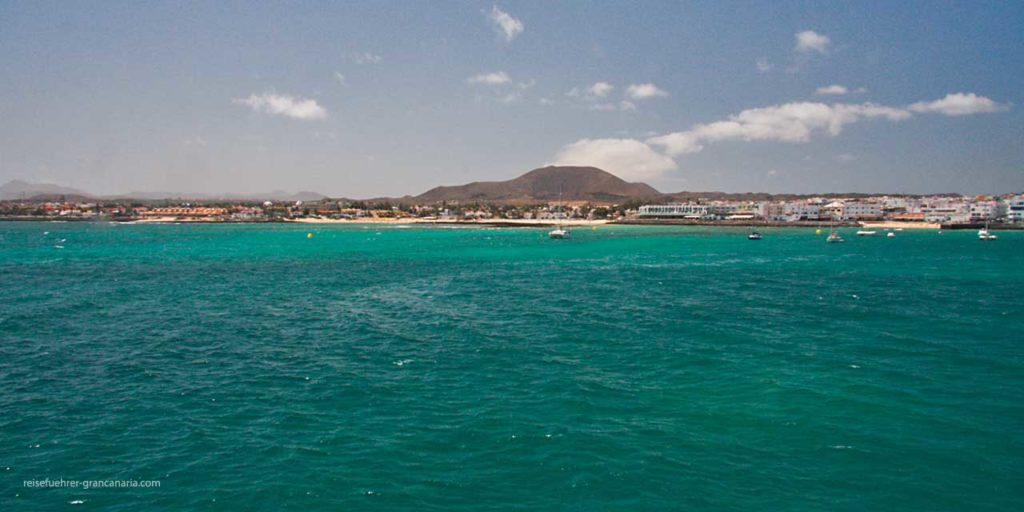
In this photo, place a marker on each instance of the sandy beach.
(479, 222)
(900, 225)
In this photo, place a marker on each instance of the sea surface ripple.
(249, 367)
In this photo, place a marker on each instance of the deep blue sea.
(250, 367)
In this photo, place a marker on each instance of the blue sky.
(391, 98)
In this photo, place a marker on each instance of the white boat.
(983, 234)
(558, 232)
(866, 233)
(891, 235)
(833, 235)
(754, 235)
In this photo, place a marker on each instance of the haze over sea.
(248, 367)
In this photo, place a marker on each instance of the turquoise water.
(248, 367)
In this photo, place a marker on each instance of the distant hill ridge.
(19, 189)
(537, 186)
(545, 184)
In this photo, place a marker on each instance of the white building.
(986, 210)
(1015, 209)
(851, 210)
(857, 211)
(772, 211)
(802, 211)
(947, 212)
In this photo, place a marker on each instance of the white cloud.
(593, 93)
(834, 89)
(364, 58)
(959, 104)
(511, 97)
(604, 107)
(629, 159)
(645, 91)
(496, 78)
(526, 85)
(622, 106)
(284, 105)
(810, 41)
(505, 24)
(340, 78)
(601, 89)
(790, 122)
(763, 65)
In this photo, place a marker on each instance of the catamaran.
(559, 232)
(833, 235)
(983, 234)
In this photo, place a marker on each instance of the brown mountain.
(545, 184)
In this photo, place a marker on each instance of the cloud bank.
(630, 159)
(794, 122)
(284, 105)
(790, 122)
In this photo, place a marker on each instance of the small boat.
(559, 232)
(754, 235)
(833, 235)
(866, 233)
(891, 235)
(983, 234)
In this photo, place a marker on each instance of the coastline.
(476, 222)
(525, 223)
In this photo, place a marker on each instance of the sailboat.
(833, 235)
(983, 234)
(559, 232)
